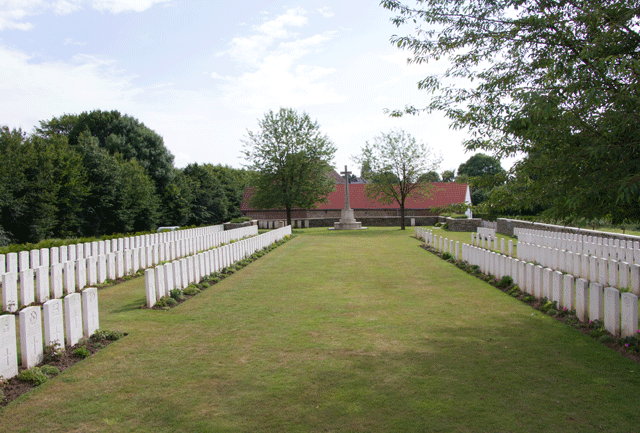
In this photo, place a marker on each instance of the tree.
(448, 175)
(557, 82)
(430, 177)
(483, 173)
(209, 205)
(291, 159)
(397, 166)
(480, 165)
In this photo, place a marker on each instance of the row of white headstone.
(486, 232)
(178, 274)
(64, 321)
(491, 243)
(591, 300)
(53, 282)
(620, 250)
(33, 259)
(602, 270)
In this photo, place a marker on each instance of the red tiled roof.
(443, 193)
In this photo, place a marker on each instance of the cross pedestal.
(347, 220)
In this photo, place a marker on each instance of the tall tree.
(483, 173)
(209, 204)
(291, 159)
(397, 166)
(557, 82)
(448, 176)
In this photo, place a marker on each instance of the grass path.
(338, 331)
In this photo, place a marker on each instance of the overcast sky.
(202, 72)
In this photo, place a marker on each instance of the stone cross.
(346, 187)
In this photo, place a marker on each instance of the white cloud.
(325, 12)
(273, 70)
(117, 6)
(14, 12)
(39, 91)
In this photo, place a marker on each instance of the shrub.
(50, 370)
(191, 290)
(504, 282)
(33, 375)
(529, 298)
(81, 352)
(170, 302)
(447, 256)
(53, 352)
(606, 339)
(103, 334)
(176, 294)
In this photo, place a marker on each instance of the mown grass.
(337, 331)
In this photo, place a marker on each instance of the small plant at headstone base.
(104, 334)
(81, 352)
(606, 338)
(50, 370)
(514, 291)
(528, 298)
(33, 375)
(504, 282)
(52, 352)
(176, 294)
(191, 290)
(631, 343)
(447, 256)
(170, 302)
(548, 305)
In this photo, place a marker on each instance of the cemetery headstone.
(31, 349)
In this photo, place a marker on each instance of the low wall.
(506, 226)
(231, 226)
(379, 221)
(463, 224)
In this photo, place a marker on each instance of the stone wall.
(506, 226)
(231, 226)
(380, 221)
(463, 224)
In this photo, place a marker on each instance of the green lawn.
(338, 331)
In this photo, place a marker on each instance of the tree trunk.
(402, 216)
(288, 216)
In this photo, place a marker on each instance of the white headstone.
(612, 310)
(160, 287)
(53, 323)
(73, 318)
(582, 299)
(35, 259)
(184, 273)
(91, 320)
(69, 277)
(537, 281)
(42, 284)
(569, 294)
(603, 271)
(81, 273)
(546, 283)
(556, 287)
(629, 314)
(150, 286)
(119, 264)
(54, 255)
(56, 281)
(8, 347)
(169, 281)
(10, 292)
(27, 287)
(596, 301)
(31, 348)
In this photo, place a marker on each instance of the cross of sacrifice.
(346, 187)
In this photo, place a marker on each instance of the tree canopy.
(555, 82)
(291, 160)
(398, 167)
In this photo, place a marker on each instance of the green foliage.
(557, 82)
(50, 370)
(290, 160)
(209, 203)
(429, 177)
(164, 302)
(81, 352)
(34, 375)
(396, 164)
(53, 352)
(505, 281)
(176, 294)
(447, 256)
(103, 334)
(191, 290)
(448, 175)
(239, 220)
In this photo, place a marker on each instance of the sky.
(201, 73)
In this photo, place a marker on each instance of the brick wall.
(463, 224)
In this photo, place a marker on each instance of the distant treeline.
(99, 173)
